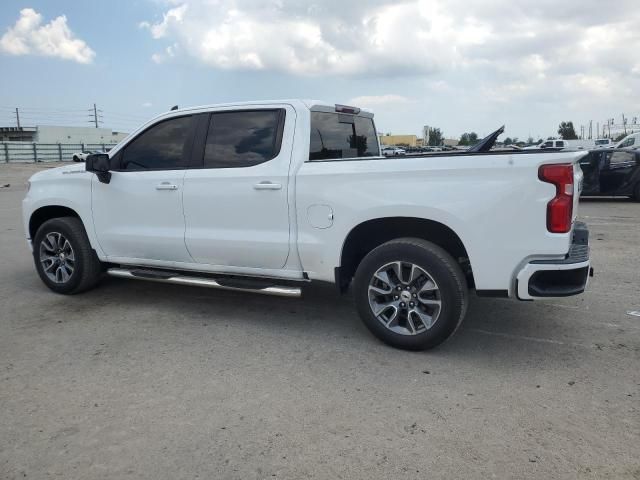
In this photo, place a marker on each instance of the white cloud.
(172, 18)
(495, 52)
(387, 37)
(54, 39)
(373, 101)
(147, 104)
(347, 38)
(169, 52)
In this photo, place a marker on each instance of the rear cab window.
(336, 136)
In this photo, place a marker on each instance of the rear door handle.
(266, 185)
(166, 186)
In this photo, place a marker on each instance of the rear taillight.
(560, 208)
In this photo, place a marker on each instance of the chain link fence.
(25, 152)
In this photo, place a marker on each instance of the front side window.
(243, 138)
(335, 136)
(161, 147)
(547, 145)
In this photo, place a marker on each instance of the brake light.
(347, 109)
(560, 208)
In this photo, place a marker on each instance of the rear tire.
(75, 158)
(417, 289)
(64, 258)
(636, 192)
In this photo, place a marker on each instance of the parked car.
(392, 151)
(269, 196)
(611, 172)
(630, 141)
(82, 156)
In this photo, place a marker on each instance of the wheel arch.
(42, 214)
(372, 233)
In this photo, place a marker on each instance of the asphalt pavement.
(151, 381)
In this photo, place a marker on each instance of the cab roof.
(313, 105)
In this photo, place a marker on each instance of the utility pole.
(590, 129)
(624, 124)
(597, 130)
(17, 117)
(95, 114)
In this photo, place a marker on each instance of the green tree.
(508, 141)
(566, 131)
(436, 137)
(468, 139)
(530, 140)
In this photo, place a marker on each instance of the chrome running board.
(183, 279)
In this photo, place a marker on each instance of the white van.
(630, 141)
(604, 143)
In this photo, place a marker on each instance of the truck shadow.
(504, 334)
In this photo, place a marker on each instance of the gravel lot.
(144, 380)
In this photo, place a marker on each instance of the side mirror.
(99, 164)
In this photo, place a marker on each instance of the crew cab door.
(617, 172)
(235, 205)
(138, 215)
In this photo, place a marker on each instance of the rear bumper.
(558, 278)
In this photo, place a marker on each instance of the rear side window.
(335, 136)
(621, 159)
(243, 138)
(160, 147)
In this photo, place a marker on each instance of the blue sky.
(437, 62)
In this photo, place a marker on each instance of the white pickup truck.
(267, 196)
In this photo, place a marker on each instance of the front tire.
(410, 293)
(636, 192)
(63, 256)
(75, 158)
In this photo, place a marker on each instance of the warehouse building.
(407, 140)
(60, 134)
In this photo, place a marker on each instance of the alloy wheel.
(405, 298)
(57, 257)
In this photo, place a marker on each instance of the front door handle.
(166, 186)
(267, 186)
